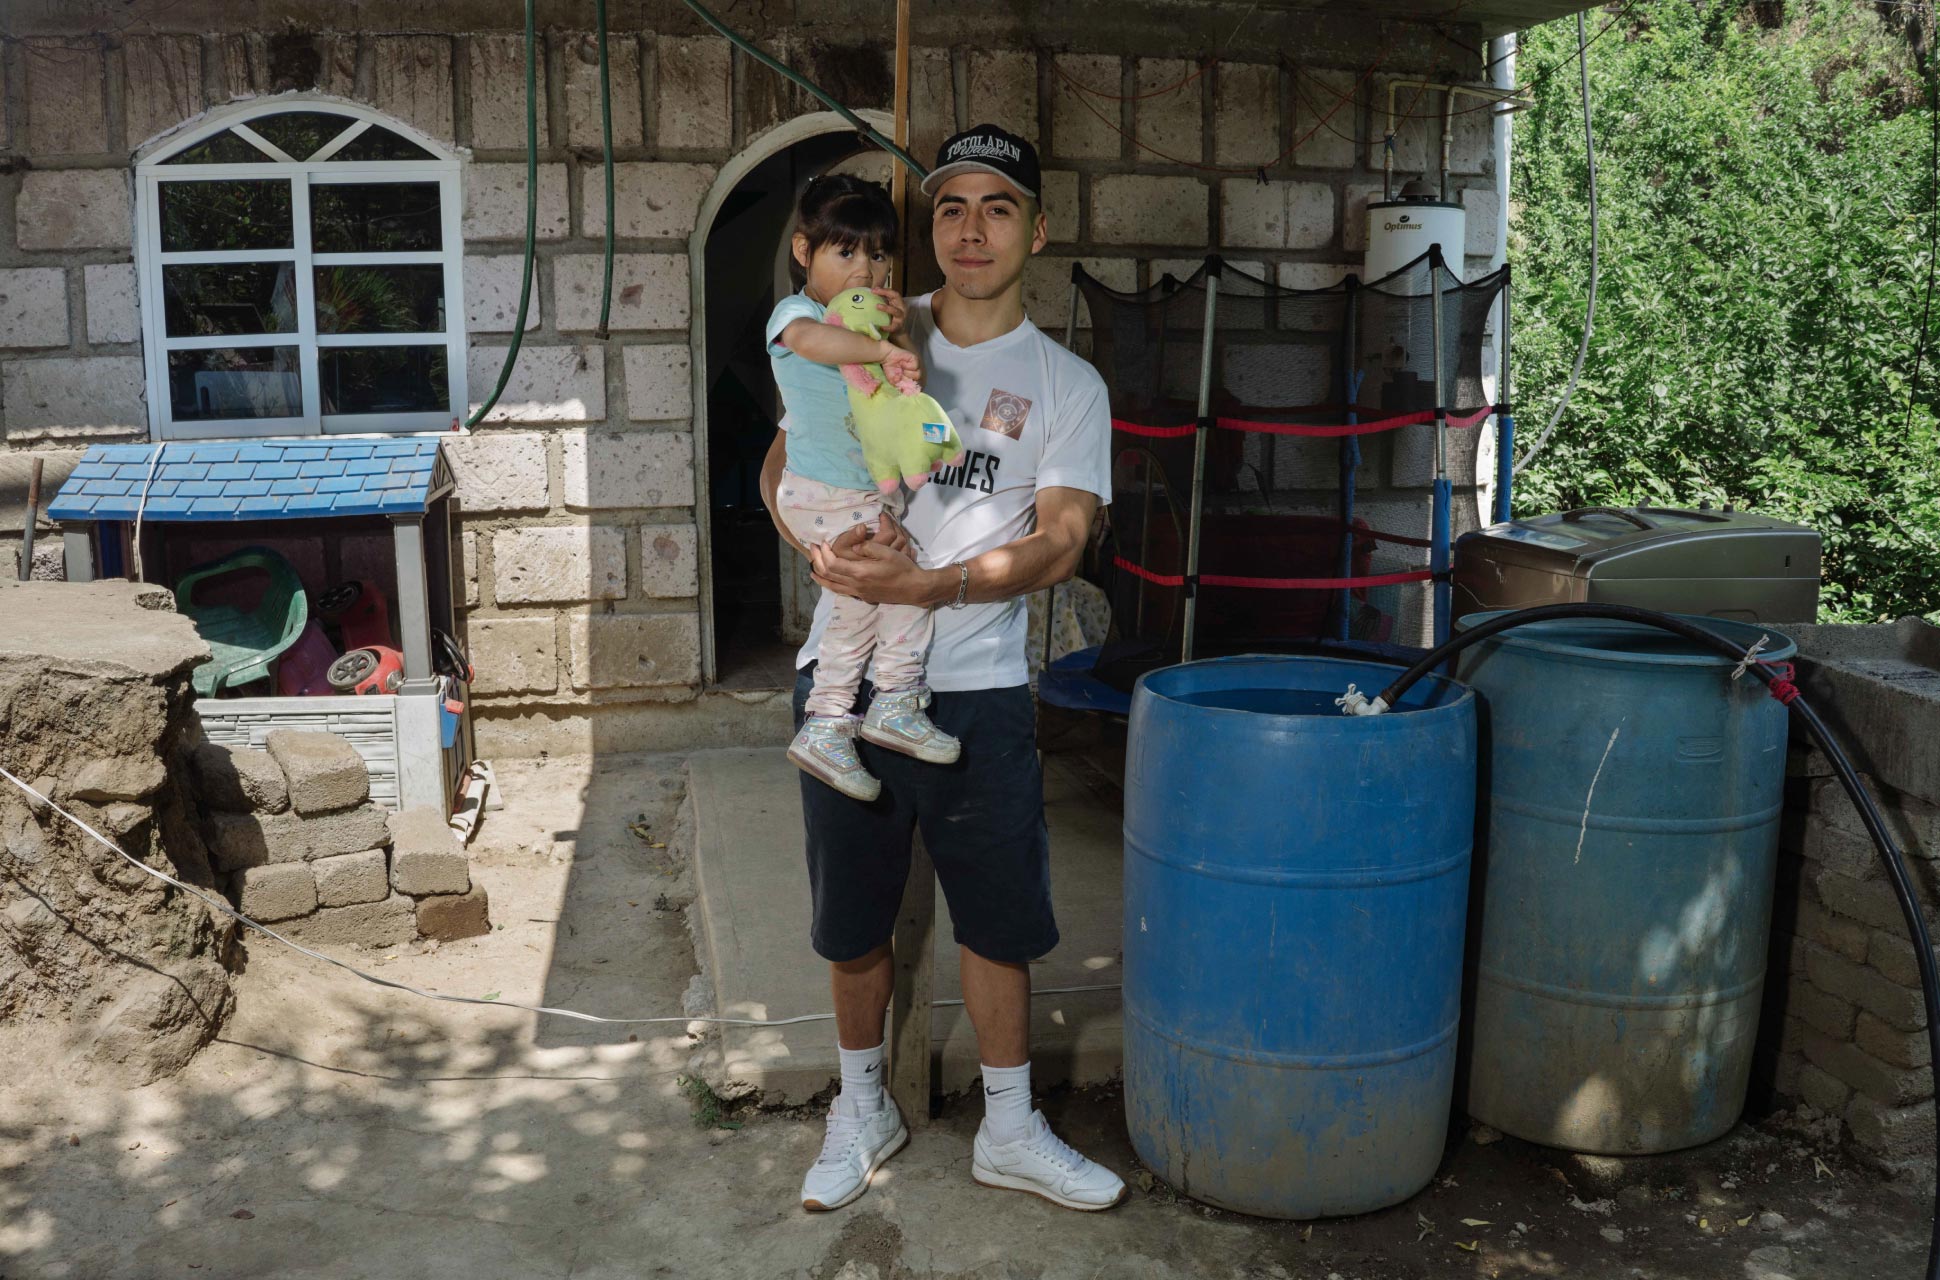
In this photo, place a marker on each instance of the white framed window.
(301, 271)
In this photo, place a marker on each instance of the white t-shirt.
(1032, 416)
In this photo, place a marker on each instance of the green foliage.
(1763, 209)
(710, 1108)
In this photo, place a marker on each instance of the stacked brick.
(294, 831)
(1853, 1042)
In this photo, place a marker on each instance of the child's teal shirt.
(822, 440)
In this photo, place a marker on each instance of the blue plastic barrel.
(1624, 886)
(1295, 890)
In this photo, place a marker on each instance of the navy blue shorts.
(982, 820)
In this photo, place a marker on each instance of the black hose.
(1889, 852)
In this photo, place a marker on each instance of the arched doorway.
(754, 601)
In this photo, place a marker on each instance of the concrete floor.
(751, 927)
(339, 1130)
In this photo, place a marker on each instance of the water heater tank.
(1399, 231)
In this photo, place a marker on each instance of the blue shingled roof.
(261, 480)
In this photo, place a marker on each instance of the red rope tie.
(1781, 686)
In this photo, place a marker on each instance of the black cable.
(1889, 852)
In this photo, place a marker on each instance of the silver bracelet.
(963, 585)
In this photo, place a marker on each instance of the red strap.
(1781, 686)
(1273, 584)
(1457, 421)
(1152, 433)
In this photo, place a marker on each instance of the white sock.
(862, 1079)
(1007, 1102)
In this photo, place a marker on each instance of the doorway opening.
(761, 596)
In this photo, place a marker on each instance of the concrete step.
(751, 885)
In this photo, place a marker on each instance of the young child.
(843, 234)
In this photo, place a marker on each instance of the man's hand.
(853, 564)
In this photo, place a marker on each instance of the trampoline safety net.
(1299, 386)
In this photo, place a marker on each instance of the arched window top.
(307, 131)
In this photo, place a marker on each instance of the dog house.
(277, 534)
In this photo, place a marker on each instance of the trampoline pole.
(1505, 423)
(1071, 321)
(1199, 462)
(1439, 536)
(1350, 453)
(1144, 546)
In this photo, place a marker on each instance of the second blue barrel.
(1624, 892)
(1295, 892)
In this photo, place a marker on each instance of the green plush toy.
(905, 434)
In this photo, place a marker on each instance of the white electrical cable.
(1589, 313)
(141, 505)
(233, 914)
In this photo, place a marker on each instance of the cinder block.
(113, 310)
(492, 294)
(1846, 937)
(161, 84)
(1171, 123)
(1326, 118)
(384, 923)
(468, 553)
(932, 102)
(240, 780)
(499, 471)
(693, 87)
(615, 470)
(1891, 954)
(1003, 91)
(561, 564)
(1891, 1131)
(513, 655)
(1276, 214)
(581, 58)
(1895, 1086)
(74, 209)
(33, 307)
(1786, 1072)
(1137, 209)
(425, 856)
(630, 651)
(495, 202)
(1059, 200)
(659, 383)
(1821, 1011)
(350, 878)
(650, 291)
(548, 384)
(1313, 275)
(1353, 231)
(324, 771)
(411, 79)
(1869, 901)
(325, 835)
(1891, 1045)
(651, 201)
(669, 561)
(495, 72)
(1480, 208)
(72, 396)
(67, 105)
(1823, 1090)
(1867, 988)
(239, 840)
(1246, 114)
(1047, 288)
(451, 916)
(1084, 126)
(272, 893)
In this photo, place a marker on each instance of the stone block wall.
(298, 844)
(581, 560)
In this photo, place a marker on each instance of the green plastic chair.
(244, 645)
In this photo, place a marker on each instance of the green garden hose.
(531, 212)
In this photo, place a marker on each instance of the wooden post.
(915, 939)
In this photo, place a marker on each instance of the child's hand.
(893, 303)
(901, 368)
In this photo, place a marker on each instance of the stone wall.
(104, 970)
(1845, 1028)
(298, 843)
(581, 553)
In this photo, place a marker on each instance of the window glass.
(377, 143)
(408, 299)
(253, 213)
(300, 134)
(234, 382)
(375, 217)
(223, 148)
(229, 297)
(383, 379)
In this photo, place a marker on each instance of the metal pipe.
(33, 518)
(1350, 450)
(1199, 461)
(1505, 424)
(1439, 534)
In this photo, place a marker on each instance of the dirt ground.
(341, 1130)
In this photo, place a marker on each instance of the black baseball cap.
(986, 148)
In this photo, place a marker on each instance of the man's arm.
(1048, 555)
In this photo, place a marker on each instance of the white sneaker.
(1041, 1162)
(856, 1146)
